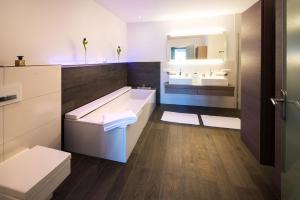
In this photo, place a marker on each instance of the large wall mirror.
(196, 47)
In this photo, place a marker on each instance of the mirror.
(198, 47)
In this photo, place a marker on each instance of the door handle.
(297, 103)
(283, 101)
(276, 101)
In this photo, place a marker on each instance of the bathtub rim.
(82, 120)
(90, 107)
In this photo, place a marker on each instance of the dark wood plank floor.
(172, 161)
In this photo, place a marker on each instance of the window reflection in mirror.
(197, 47)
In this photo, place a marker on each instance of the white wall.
(36, 120)
(51, 32)
(147, 42)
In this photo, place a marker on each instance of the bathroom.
(165, 35)
(144, 99)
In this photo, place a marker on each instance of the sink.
(180, 79)
(214, 81)
(187, 79)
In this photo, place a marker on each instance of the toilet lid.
(20, 175)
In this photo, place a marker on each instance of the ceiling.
(161, 10)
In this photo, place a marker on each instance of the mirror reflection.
(199, 47)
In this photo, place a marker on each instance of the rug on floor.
(221, 122)
(181, 118)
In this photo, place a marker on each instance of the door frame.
(280, 60)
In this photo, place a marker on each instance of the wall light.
(208, 31)
(197, 62)
(194, 15)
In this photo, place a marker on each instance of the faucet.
(211, 72)
(180, 71)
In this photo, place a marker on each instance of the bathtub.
(84, 133)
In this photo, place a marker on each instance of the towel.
(118, 120)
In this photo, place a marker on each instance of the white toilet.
(33, 174)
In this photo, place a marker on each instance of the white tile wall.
(30, 114)
(36, 120)
(47, 135)
(36, 81)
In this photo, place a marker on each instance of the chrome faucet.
(211, 72)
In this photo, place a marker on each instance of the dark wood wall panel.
(251, 77)
(258, 79)
(85, 83)
(82, 84)
(268, 82)
(145, 73)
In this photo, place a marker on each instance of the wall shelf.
(199, 90)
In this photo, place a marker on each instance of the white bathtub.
(83, 129)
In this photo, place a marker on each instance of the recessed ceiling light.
(140, 17)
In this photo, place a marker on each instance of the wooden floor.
(172, 161)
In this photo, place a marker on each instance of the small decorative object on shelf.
(20, 61)
(85, 42)
(119, 50)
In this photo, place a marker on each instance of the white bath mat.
(181, 118)
(221, 122)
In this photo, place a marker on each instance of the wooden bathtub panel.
(85, 83)
(145, 73)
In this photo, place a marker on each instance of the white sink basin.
(214, 81)
(180, 79)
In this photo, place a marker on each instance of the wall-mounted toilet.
(33, 174)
